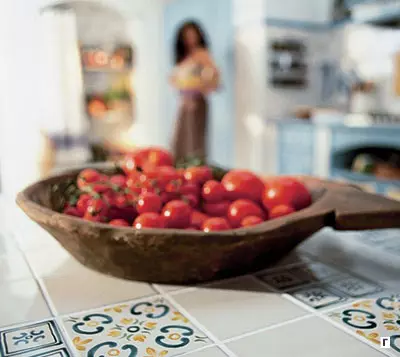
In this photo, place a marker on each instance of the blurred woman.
(195, 76)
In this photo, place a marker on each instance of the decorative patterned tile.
(309, 337)
(373, 319)
(39, 339)
(150, 328)
(355, 287)
(22, 301)
(318, 296)
(292, 277)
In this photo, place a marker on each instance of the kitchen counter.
(334, 296)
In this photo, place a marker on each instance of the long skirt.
(190, 134)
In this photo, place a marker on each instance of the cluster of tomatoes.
(154, 194)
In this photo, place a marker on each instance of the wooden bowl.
(180, 256)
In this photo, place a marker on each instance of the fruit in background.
(285, 191)
(96, 108)
(280, 211)
(242, 184)
(215, 224)
(241, 209)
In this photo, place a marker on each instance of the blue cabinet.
(295, 148)
(217, 20)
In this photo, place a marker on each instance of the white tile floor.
(50, 305)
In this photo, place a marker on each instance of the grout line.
(267, 328)
(200, 326)
(67, 338)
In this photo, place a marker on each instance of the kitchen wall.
(255, 27)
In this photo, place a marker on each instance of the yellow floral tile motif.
(372, 336)
(126, 321)
(139, 338)
(151, 352)
(179, 317)
(150, 325)
(366, 304)
(118, 309)
(80, 344)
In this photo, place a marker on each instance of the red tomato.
(241, 209)
(280, 211)
(219, 209)
(119, 223)
(97, 207)
(215, 224)
(118, 180)
(148, 202)
(148, 220)
(87, 176)
(251, 221)
(197, 219)
(168, 173)
(177, 214)
(159, 157)
(109, 197)
(189, 189)
(286, 191)
(72, 211)
(198, 175)
(96, 188)
(243, 184)
(191, 200)
(169, 196)
(213, 191)
(147, 158)
(83, 203)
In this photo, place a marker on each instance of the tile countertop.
(336, 295)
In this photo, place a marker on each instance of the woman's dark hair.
(180, 47)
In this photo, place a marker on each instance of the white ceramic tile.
(21, 301)
(238, 306)
(208, 352)
(7, 243)
(171, 288)
(13, 267)
(87, 289)
(149, 327)
(310, 337)
(37, 339)
(53, 261)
